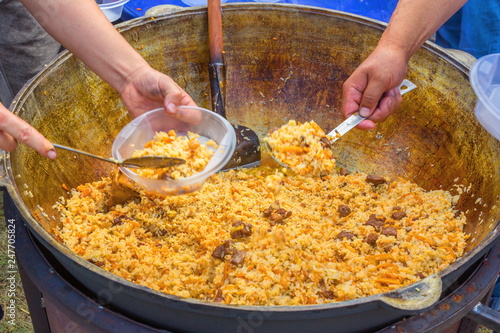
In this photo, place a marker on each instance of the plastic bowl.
(485, 80)
(142, 129)
(112, 8)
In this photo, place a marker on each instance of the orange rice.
(264, 237)
(187, 147)
(303, 147)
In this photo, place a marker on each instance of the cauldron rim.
(48, 240)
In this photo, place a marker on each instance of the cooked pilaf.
(303, 147)
(187, 147)
(261, 237)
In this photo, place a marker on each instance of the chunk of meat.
(223, 249)
(325, 143)
(397, 213)
(238, 257)
(273, 207)
(389, 231)
(160, 232)
(276, 214)
(343, 171)
(241, 229)
(97, 263)
(345, 234)
(226, 248)
(324, 291)
(344, 210)
(119, 220)
(219, 298)
(375, 180)
(376, 221)
(328, 294)
(371, 238)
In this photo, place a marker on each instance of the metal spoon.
(150, 162)
(349, 123)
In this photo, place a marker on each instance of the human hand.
(147, 89)
(372, 89)
(13, 130)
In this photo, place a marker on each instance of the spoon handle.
(355, 119)
(85, 153)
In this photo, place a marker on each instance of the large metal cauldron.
(283, 62)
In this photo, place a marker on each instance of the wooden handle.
(215, 31)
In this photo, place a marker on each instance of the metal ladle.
(149, 162)
(247, 153)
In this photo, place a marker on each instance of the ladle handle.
(216, 67)
(215, 31)
(85, 153)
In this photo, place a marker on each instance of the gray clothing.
(24, 48)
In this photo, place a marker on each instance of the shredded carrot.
(387, 281)
(383, 265)
(79, 250)
(284, 281)
(294, 149)
(167, 139)
(452, 253)
(424, 239)
(85, 191)
(227, 268)
(380, 257)
(392, 276)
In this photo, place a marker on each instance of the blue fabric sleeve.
(474, 29)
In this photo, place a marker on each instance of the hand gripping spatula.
(355, 119)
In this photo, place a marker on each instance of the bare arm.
(81, 27)
(414, 21)
(371, 88)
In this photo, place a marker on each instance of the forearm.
(81, 27)
(414, 21)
